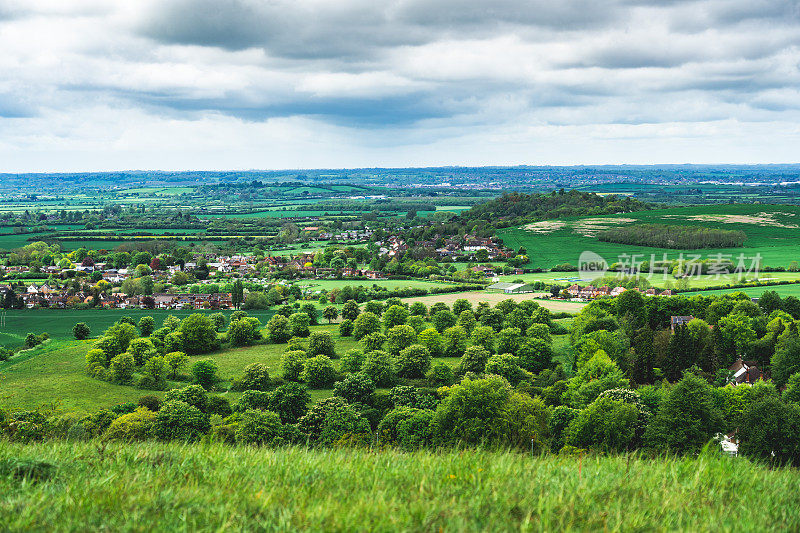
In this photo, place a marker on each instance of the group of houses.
(590, 292)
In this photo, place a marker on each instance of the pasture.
(773, 231)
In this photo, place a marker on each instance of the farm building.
(510, 288)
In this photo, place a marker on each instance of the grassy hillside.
(771, 230)
(171, 487)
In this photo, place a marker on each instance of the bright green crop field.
(179, 487)
(16, 323)
(772, 231)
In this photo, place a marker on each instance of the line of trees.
(673, 236)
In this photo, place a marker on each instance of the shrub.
(350, 310)
(472, 412)
(176, 361)
(218, 319)
(154, 374)
(355, 388)
(217, 405)
(81, 331)
(399, 338)
(149, 402)
(299, 325)
(507, 366)
(352, 360)
(373, 341)
(292, 364)
(255, 377)
(333, 421)
(408, 396)
(379, 367)
(440, 374)
(432, 340)
(146, 326)
(443, 320)
(365, 324)
(607, 425)
(177, 420)
(406, 427)
(278, 329)
(122, 368)
(413, 362)
(321, 343)
(346, 328)
(290, 401)
(173, 342)
(141, 349)
(311, 310)
(194, 395)
(454, 341)
(473, 360)
(770, 431)
(199, 335)
(132, 426)
(318, 372)
(244, 331)
(252, 399)
(394, 316)
(205, 373)
(96, 363)
(257, 427)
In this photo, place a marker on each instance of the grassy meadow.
(772, 231)
(173, 487)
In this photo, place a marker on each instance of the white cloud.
(89, 84)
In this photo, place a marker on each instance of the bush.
(199, 335)
(770, 431)
(194, 395)
(432, 340)
(255, 377)
(149, 402)
(321, 343)
(96, 363)
(299, 325)
(443, 320)
(365, 324)
(473, 360)
(122, 368)
(217, 405)
(399, 338)
(154, 374)
(318, 372)
(352, 360)
(205, 373)
(413, 362)
(244, 331)
(333, 421)
(252, 399)
(278, 329)
(346, 328)
(440, 374)
(472, 412)
(290, 401)
(507, 366)
(132, 426)
(607, 425)
(379, 367)
(406, 427)
(257, 427)
(176, 361)
(454, 341)
(373, 341)
(177, 420)
(146, 326)
(355, 388)
(141, 349)
(292, 364)
(81, 331)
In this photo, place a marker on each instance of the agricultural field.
(328, 284)
(16, 323)
(493, 298)
(773, 231)
(188, 487)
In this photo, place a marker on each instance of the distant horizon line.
(425, 167)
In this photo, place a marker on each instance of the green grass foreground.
(172, 487)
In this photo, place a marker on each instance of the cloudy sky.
(240, 84)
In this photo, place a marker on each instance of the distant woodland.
(672, 236)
